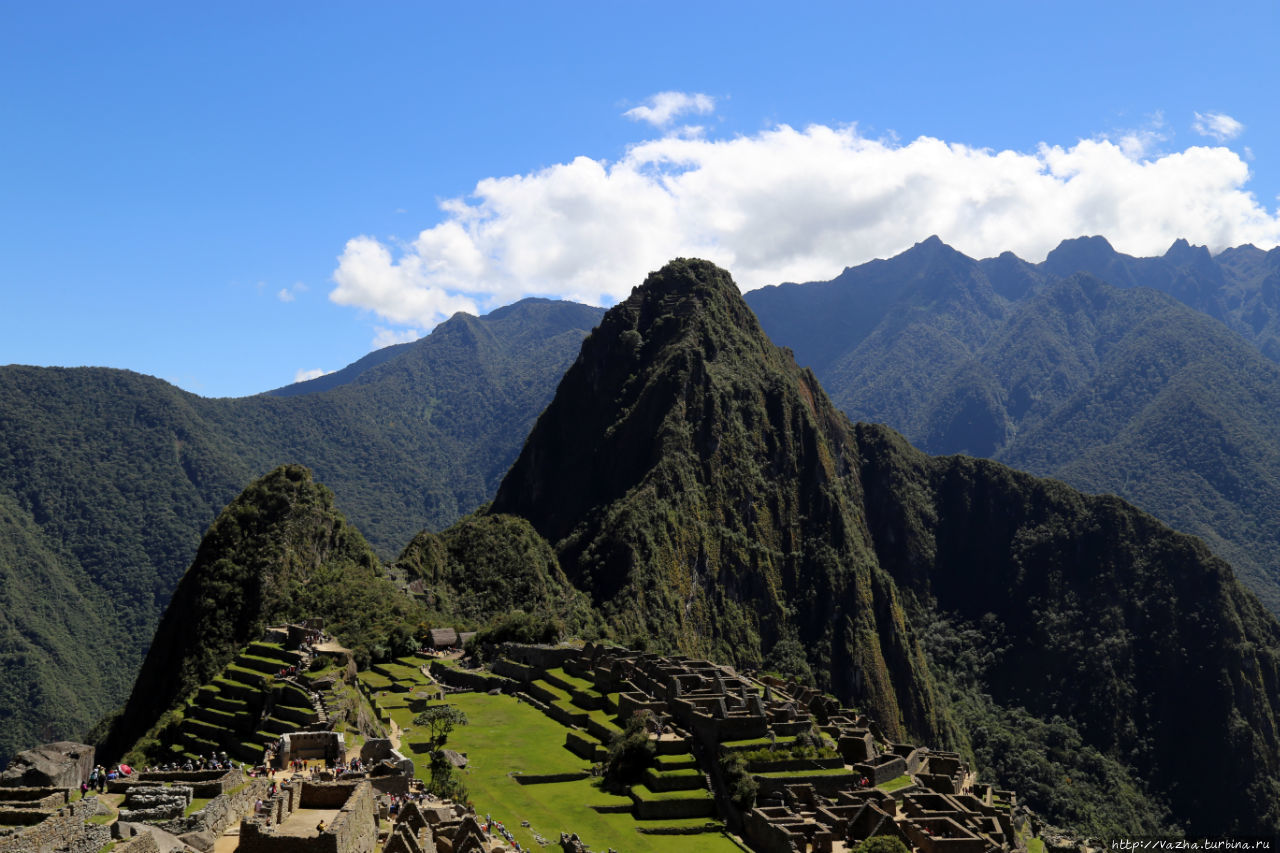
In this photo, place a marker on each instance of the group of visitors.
(492, 826)
(212, 761)
(98, 779)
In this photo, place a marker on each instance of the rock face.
(55, 765)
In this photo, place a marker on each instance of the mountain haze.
(1112, 388)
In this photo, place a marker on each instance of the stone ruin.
(155, 803)
(327, 746)
(44, 818)
(436, 828)
(283, 825)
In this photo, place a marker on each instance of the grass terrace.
(894, 784)
(506, 737)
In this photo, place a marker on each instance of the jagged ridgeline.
(702, 488)
(279, 552)
(705, 492)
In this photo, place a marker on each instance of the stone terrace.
(703, 711)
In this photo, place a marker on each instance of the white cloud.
(304, 375)
(791, 205)
(389, 337)
(1142, 142)
(288, 294)
(1219, 126)
(662, 108)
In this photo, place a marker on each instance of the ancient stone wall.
(467, 679)
(355, 826)
(45, 799)
(518, 671)
(222, 811)
(64, 829)
(542, 657)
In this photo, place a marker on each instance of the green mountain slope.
(703, 489)
(280, 552)
(711, 499)
(1098, 616)
(54, 639)
(120, 473)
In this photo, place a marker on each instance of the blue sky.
(227, 196)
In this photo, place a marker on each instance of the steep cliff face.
(280, 551)
(1101, 616)
(706, 493)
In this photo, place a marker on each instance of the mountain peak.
(1081, 254)
(697, 483)
(1184, 254)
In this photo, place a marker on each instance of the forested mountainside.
(109, 478)
(702, 488)
(698, 484)
(1112, 389)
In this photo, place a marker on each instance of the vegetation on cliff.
(280, 552)
(486, 566)
(704, 491)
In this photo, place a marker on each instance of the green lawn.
(571, 680)
(825, 771)
(643, 792)
(506, 736)
(197, 803)
(894, 784)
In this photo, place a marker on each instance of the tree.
(631, 752)
(440, 719)
(882, 844)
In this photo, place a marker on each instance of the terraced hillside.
(241, 711)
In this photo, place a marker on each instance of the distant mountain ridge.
(108, 479)
(1112, 387)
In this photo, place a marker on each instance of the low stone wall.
(542, 657)
(222, 811)
(203, 783)
(545, 778)
(520, 672)
(466, 679)
(882, 768)
(45, 799)
(672, 809)
(828, 785)
(64, 829)
(583, 747)
(799, 765)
